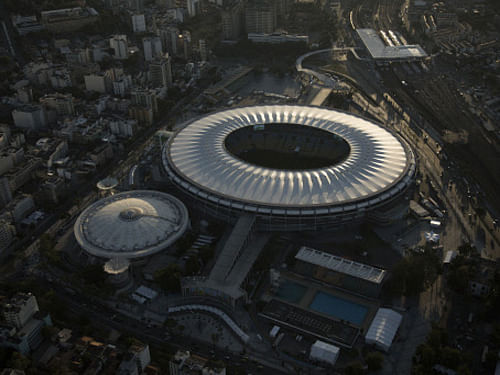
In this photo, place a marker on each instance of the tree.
(460, 272)
(170, 323)
(467, 250)
(169, 278)
(94, 274)
(192, 266)
(414, 273)
(354, 368)
(18, 361)
(374, 360)
(207, 253)
(450, 357)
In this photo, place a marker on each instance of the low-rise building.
(185, 363)
(69, 19)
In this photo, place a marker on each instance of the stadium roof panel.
(380, 51)
(377, 161)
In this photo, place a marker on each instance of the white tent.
(324, 352)
(383, 328)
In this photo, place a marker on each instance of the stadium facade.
(293, 167)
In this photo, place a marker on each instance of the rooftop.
(342, 265)
(131, 224)
(379, 50)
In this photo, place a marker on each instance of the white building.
(138, 23)
(119, 44)
(20, 309)
(30, 117)
(383, 328)
(324, 352)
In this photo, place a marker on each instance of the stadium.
(292, 167)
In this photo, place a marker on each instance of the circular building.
(294, 167)
(131, 224)
(107, 186)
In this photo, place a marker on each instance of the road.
(157, 337)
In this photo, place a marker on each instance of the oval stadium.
(292, 167)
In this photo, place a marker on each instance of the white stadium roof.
(376, 169)
(383, 328)
(379, 50)
(131, 224)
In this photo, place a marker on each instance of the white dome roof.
(131, 224)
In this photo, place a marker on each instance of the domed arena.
(132, 224)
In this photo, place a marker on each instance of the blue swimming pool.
(291, 292)
(339, 308)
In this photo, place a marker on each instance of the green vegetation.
(460, 272)
(437, 351)
(47, 249)
(374, 360)
(94, 278)
(185, 242)
(280, 58)
(207, 253)
(354, 368)
(169, 278)
(414, 273)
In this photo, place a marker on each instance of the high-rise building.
(122, 85)
(169, 38)
(193, 7)
(61, 103)
(232, 20)
(202, 44)
(185, 39)
(7, 233)
(152, 47)
(30, 117)
(160, 71)
(145, 98)
(119, 44)
(5, 192)
(20, 309)
(137, 5)
(138, 23)
(260, 16)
